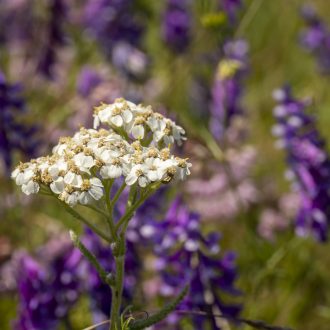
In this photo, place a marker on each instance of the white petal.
(115, 171)
(105, 114)
(96, 182)
(117, 120)
(30, 188)
(20, 179)
(57, 186)
(85, 198)
(96, 122)
(15, 173)
(104, 172)
(152, 175)
(96, 192)
(69, 177)
(131, 179)
(127, 116)
(143, 181)
(138, 132)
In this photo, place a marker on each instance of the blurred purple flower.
(48, 288)
(130, 61)
(88, 79)
(186, 256)
(316, 38)
(55, 37)
(112, 21)
(227, 88)
(219, 191)
(272, 221)
(308, 161)
(14, 134)
(176, 25)
(231, 8)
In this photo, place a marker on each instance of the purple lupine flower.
(186, 256)
(100, 293)
(308, 161)
(227, 88)
(14, 135)
(55, 38)
(176, 26)
(316, 38)
(48, 288)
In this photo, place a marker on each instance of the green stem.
(142, 324)
(118, 193)
(110, 210)
(90, 257)
(96, 210)
(128, 215)
(79, 217)
(117, 290)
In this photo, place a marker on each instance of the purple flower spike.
(227, 88)
(186, 256)
(55, 38)
(176, 25)
(316, 38)
(49, 288)
(14, 135)
(308, 161)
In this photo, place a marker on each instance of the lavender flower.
(227, 88)
(14, 135)
(185, 255)
(316, 38)
(49, 288)
(176, 26)
(308, 161)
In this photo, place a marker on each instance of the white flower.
(137, 132)
(57, 186)
(116, 114)
(153, 169)
(84, 162)
(137, 175)
(91, 190)
(178, 133)
(69, 198)
(111, 171)
(73, 179)
(22, 176)
(55, 169)
(30, 187)
(183, 169)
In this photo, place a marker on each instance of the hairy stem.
(117, 289)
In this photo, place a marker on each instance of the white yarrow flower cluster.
(80, 166)
(139, 122)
